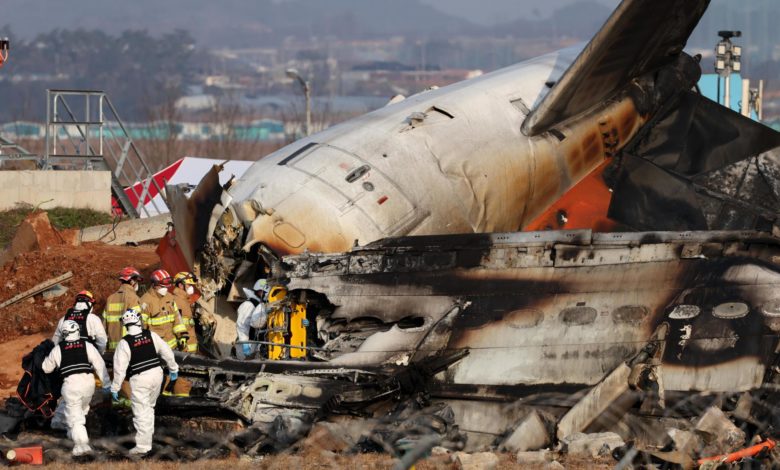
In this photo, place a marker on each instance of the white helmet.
(261, 285)
(132, 316)
(70, 330)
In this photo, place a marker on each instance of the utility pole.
(292, 73)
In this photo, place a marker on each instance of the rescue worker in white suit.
(137, 356)
(252, 313)
(91, 330)
(76, 358)
(90, 324)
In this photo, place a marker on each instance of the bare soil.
(94, 266)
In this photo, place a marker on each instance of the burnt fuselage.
(553, 308)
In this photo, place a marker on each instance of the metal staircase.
(12, 149)
(84, 131)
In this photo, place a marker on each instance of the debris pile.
(39, 253)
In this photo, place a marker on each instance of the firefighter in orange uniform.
(116, 304)
(160, 314)
(184, 288)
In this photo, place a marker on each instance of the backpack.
(37, 390)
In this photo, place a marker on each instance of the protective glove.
(115, 396)
(182, 343)
(305, 322)
(247, 349)
(174, 376)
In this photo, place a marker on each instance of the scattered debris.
(720, 434)
(530, 434)
(538, 456)
(56, 291)
(478, 461)
(37, 289)
(593, 445)
(127, 231)
(749, 452)
(599, 399)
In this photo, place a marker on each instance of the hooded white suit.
(77, 391)
(145, 386)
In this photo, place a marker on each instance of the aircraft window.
(408, 323)
(523, 318)
(578, 315)
(684, 312)
(630, 314)
(771, 309)
(730, 310)
(355, 174)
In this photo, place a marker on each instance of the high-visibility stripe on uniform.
(179, 328)
(172, 342)
(192, 347)
(162, 320)
(112, 318)
(115, 307)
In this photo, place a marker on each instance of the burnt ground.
(314, 460)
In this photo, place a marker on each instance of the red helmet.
(129, 273)
(161, 277)
(85, 296)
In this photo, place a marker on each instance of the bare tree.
(163, 123)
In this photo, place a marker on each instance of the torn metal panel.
(191, 215)
(559, 315)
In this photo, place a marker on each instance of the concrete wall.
(76, 189)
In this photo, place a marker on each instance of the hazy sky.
(489, 12)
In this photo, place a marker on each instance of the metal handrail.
(118, 152)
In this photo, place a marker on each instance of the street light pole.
(292, 73)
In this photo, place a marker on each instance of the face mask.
(135, 286)
(82, 307)
(162, 291)
(189, 290)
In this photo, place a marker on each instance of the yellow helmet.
(277, 293)
(185, 278)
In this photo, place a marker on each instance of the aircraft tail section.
(641, 36)
(664, 178)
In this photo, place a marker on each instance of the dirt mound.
(36, 233)
(94, 267)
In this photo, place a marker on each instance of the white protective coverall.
(77, 391)
(144, 387)
(249, 316)
(96, 331)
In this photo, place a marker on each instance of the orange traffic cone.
(25, 455)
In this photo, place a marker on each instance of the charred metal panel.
(558, 324)
(191, 215)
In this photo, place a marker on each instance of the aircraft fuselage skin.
(450, 160)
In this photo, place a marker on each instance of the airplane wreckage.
(548, 249)
(395, 237)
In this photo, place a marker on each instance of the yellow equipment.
(285, 326)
